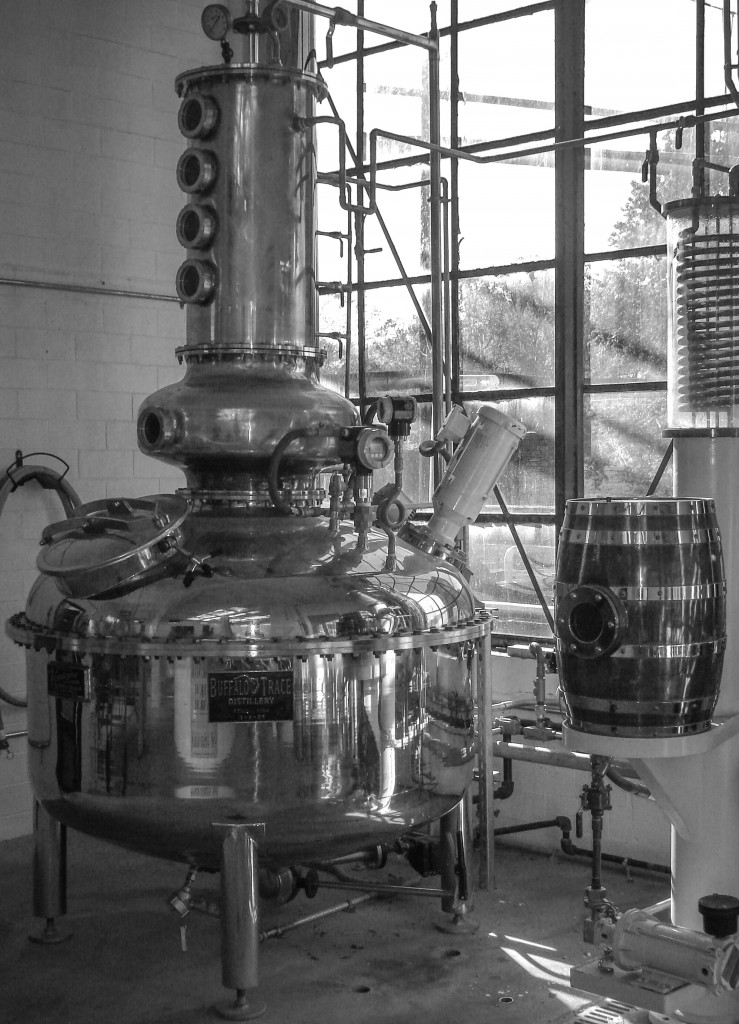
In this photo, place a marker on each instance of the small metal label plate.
(71, 682)
(265, 696)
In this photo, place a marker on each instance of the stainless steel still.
(302, 688)
(233, 653)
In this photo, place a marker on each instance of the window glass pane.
(624, 444)
(657, 41)
(618, 213)
(626, 319)
(471, 10)
(527, 485)
(500, 578)
(506, 75)
(405, 213)
(506, 208)
(507, 329)
(506, 213)
(333, 319)
(410, 16)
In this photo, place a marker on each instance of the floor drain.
(613, 1012)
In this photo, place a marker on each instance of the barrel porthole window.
(591, 621)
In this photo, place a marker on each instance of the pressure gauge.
(215, 20)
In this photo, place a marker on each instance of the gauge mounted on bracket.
(215, 21)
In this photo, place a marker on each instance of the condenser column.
(703, 381)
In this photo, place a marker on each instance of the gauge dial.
(215, 20)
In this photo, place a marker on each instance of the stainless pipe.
(728, 66)
(541, 755)
(382, 889)
(339, 16)
(623, 772)
(83, 289)
(484, 657)
(552, 147)
(276, 933)
(437, 342)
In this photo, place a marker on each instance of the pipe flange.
(196, 170)
(198, 116)
(590, 621)
(196, 281)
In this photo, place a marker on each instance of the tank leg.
(49, 876)
(454, 858)
(239, 921)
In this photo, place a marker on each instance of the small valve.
(197, 567)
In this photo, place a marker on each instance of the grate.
(610, 1012)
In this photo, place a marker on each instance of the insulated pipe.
(542, 755)
(339, 16)
(437, 341)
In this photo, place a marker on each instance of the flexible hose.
(273, 470)
(50, 480)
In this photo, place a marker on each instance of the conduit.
(16, 475)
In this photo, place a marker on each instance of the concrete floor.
(385, 961)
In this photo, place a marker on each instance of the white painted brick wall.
(88, 118)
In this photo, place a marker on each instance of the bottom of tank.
(367, 747)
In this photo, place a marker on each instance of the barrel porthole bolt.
(591, 620)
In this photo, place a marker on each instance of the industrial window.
(552, 257)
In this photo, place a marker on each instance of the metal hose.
(273, 470)
(16, 476)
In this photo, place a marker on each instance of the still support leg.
(239, 921)
(454, 860)
(486, 878)
(49, 875)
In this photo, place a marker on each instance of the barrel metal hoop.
(687, 593)
(639, 707)
(638, 538)
(708, 647)
(648, 507)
